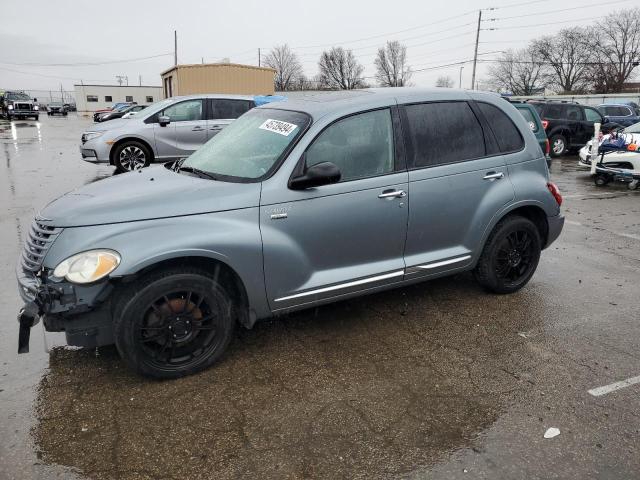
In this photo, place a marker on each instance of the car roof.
(614, 105)
(213, 95)
(320, 103)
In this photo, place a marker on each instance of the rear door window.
(554, 111)
(441, 133)
(226, 109)
(506, 133)
(574, 113)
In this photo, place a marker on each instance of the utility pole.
(139, 80)
(475, 54)
(61, 94)
(460, 83)
(259, 59)
(175, 47)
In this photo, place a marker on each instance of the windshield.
(18, 96)
(251, 146)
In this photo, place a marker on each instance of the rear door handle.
(493, 176)
(215, 127)
(393, 194)
(197, 129)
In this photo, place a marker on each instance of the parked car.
(98, 113)
(120, 112)
(71, 107)
(530, 114)
(624, 115)
(18, 105)
(56, 108)
(293, 205)
(130, 113)
(627, 160)
(569, 125)
(167, 130)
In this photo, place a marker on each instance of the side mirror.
(164, 120)
(317, 175)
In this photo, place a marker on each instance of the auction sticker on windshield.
(278, 126)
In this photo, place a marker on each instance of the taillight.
(545, 124)
(553, 188)
(547, 147)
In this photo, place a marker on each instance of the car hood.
(112, 125)
(155, 192)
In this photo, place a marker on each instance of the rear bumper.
(556, 223)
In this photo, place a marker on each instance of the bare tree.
(615, 46)
(444, 81)
(567, 55)
(287, 66)
(391, 65)
(520, 72)
(340, 70)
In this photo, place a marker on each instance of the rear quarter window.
(506, 133)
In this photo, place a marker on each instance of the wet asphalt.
(439, 380)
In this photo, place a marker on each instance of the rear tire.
(601, 180)
(558, 145)
(510, 256)
(131, 156)
(173, 323)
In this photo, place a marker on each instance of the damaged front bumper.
(81, 311)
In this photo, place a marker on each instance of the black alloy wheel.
(510, 256)
(175, 325)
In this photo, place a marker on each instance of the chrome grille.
(40, 238)
(22, 106)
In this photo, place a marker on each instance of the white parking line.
(597, 392)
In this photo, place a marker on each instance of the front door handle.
(393, 194)
(493, 176)
(197, 129)
(215, 127)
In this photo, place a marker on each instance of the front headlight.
(10, 107)
(36, 108)
(91, 135)
(87, 267)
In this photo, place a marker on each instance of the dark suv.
(569, 125)
(625, 115)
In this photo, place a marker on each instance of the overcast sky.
(436, 34)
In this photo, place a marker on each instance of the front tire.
(173, 323)
(558, 145)
(510, 257)
(131, 156)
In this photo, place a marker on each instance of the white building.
(90, 98)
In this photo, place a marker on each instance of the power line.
(49, 76)
(85, 64)
(537, 14)
(539, 24)
(387, 34)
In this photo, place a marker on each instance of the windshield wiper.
(198, 172)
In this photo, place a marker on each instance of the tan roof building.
(217, 78)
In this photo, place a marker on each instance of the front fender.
(232, 237)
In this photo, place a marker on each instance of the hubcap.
(132, 158)
(178, 329)
(515, 256)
